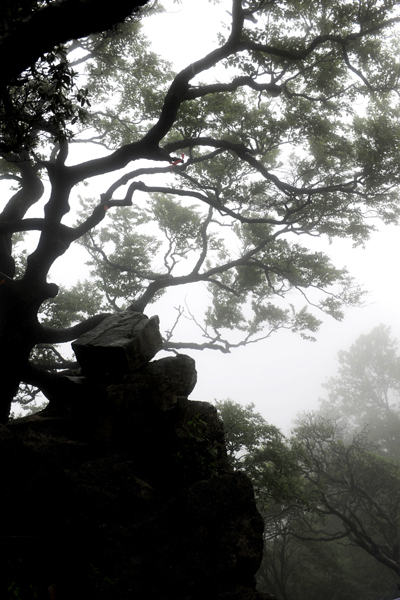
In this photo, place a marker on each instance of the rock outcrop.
(121, 343)
(124, 490)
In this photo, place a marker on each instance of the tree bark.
(19, 333)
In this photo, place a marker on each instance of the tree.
(351, 489)
(297, 565)
(245, 430)
(366, 390)
(353, 485)
(297, 569)
(272, 151)
(261, 451)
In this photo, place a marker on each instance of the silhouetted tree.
(294, 74)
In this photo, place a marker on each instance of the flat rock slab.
(120, 344)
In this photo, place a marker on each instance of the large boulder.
(160, 383)
(121, 343)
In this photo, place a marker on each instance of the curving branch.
(207, 200)
(245, 81)
(59, 336)
(125, 268)
(319, 40)
(168, 345)
(33, 224)
(204, 241)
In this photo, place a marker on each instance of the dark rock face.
(161, 382)
(125, 492)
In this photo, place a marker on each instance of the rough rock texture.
(121, 343)
(125, 492)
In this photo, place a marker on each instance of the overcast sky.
(281, 375)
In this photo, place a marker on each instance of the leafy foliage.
(261, 451)
(119, 65)
(42, 103)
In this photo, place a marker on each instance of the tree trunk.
(19, 333)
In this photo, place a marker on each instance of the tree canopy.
(236, 157)
(366, 390)
(261, 451)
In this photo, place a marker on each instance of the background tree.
(300, 162)
(366, 389)
(296, 569)
(354, 485)
(346, 447)
(298, 564)
(261, 451)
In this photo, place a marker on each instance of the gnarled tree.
(273, 150)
